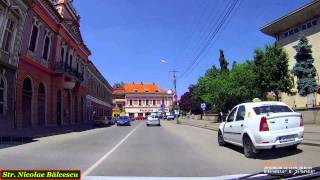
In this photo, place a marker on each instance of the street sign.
(163, 106)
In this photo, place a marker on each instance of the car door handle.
(241, 125)
(272, 122)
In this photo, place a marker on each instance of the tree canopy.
(304, 68)
(221, 89)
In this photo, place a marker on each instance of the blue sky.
(129, 38)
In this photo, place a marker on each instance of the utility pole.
(175, 90)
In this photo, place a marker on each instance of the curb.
(216, 129)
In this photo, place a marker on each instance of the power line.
(209, 26)
(211, 37)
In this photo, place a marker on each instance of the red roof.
(142, 88)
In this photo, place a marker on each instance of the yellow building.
(286, 30)
(118, 101)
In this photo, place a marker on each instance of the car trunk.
(282, 121)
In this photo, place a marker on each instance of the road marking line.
(97, 163)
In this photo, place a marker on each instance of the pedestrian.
(220, 116)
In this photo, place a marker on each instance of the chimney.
(141, 82)
(154, 83)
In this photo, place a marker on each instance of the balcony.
(65, 68)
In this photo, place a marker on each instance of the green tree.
(212, 72)
(228, 89)
(223, 63)
(188, 102)
(304, 68)
(272, 70)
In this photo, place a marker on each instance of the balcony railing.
(66, 68)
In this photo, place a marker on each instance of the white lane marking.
(97, 163)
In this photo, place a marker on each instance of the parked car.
(140, 118)
(153, 120)
(123, 121)
(170, 117)
(262, 125)
(102, 121)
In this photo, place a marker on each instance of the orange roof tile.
(118, 90)
(142, 88)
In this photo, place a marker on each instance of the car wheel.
(117, 124)
(220, 139)
(248, 148)
(147, 124)
(294, 147)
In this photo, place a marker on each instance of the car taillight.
(301, 120)
(263, 124)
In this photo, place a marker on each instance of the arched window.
(41, 105)
(27, 94)
(3, 95)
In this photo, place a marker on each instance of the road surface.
(167, 151)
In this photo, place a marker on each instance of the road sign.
(163, 106)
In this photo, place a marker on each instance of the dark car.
(102, 121)
(140, 118)
(123, 121)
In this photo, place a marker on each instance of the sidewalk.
(311, 131)
(22, 135)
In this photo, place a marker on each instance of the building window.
(67, 55)
(139, 102)
(8, 35)
(296, 30)
(130, 102)
(62, 54)
(34, 37)
(154, 102)
(304, 27)
(77, 67)
(314, 22)
(3, 91)
(290, 32)
(309, 25)
(162, 101)
(147, 102)
(46, 47)
(71, 59)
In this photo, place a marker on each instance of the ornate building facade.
(143, 99)
(12, 18)
(50, 82)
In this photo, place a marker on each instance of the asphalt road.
(167, 151)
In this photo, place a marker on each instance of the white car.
(153, 120)
(170, 117)
(262, 125)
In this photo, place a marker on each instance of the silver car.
(153, 120)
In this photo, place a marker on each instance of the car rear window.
(271, 109)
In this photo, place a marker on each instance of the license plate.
(286, 138)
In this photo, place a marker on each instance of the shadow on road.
(7, 142)
(15, 137)
(270, 153)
